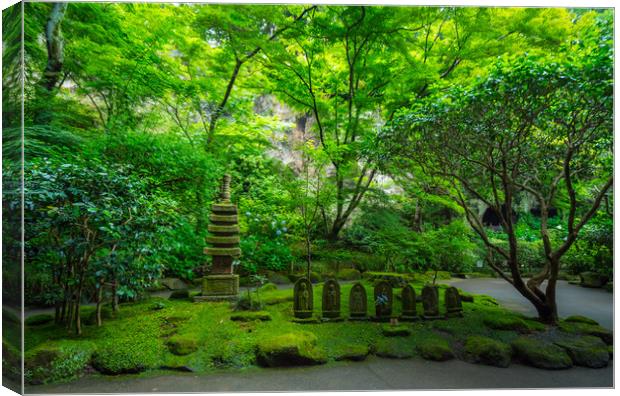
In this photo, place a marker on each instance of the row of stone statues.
(303, 305)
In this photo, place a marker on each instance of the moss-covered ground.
(183, 335)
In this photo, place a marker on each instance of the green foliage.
(37, 320)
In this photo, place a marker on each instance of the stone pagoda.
(221, 283)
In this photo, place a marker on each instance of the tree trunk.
(114, 298)
(99, 301)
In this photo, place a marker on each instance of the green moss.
(541, 354)
(182, 344)
(38, 320)
(487, 351)
(586, 351)
(396, 331)
(269, 287)
(435, 348)
(392, 348)
(250, 316)
(51, 363)
(506, 322)
(291, 349)
(179, 294)
(349, 274)
(587, 329)
(581, 319)
(352, 352)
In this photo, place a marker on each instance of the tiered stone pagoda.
(221, 283)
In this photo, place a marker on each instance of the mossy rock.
(49, 363)
(181, 345)
(250, 316)
(352, 352)
(436, 349)
(587, 329)
(466, 297)
(267, 287)
(179, 295)
(487, 351)
(315, 277)
(38, 320)
(541, 354)
(348, 274)
(506, 322)
(587, 351)
(391, 348)
(290, 349)
(581, 319)
(277, 278)
(592, 279)
(393, 278)
(534, 325)
(396, 331)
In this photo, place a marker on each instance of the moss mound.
(52, 363)
(181, 345)
(394, 279)
(250, 316)
(506, 322)
(541, 354)
(291, 349)
(587, 329)
(352, 352)
(276, 278)
(436, 349)
(391, 348)
(581, 319)
(182, 294)
(586, 351)
(315, 277)
(128, 356)
(396, 331)
(349, 274)
(89, 315)
(38, 320)
(487, 351)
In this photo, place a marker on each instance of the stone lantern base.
(223, 287)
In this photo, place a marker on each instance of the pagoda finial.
(225, 188)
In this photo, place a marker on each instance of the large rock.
(487, 351)
(173, 283)
(390, 348)
(587, 329)
(291, 349)
(592, 279)
(586, 351)
(182, 345)
(436, 349)
(541, 354)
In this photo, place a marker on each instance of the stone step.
(224, 208)
(226, 240)
(223, 218)
(225, 229)
(212, 251)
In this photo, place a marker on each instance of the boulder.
(277, 278)
(587, 329)
(352, 352)
(173, 283)
(586, 351)
(290, 349)
(269, 287)
(541, 354)
(487, 351)
(179, 295)
(592, 279)
(436, 349)
(181, 345)
(506, 322)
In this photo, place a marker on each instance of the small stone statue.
(430, 301)
(409, 304)
(302, 296)
(454, 306)
(331, 299)
(358, 303)
(383, 301)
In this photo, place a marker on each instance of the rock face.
(541, 354)
(358, 303)
(408, 297)
(586, 351)
(454, 306)
(430, 302)
(383, 301)
(291, 349)
(487, 351)
(221, 283)
(303, 304)
(592, 279)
